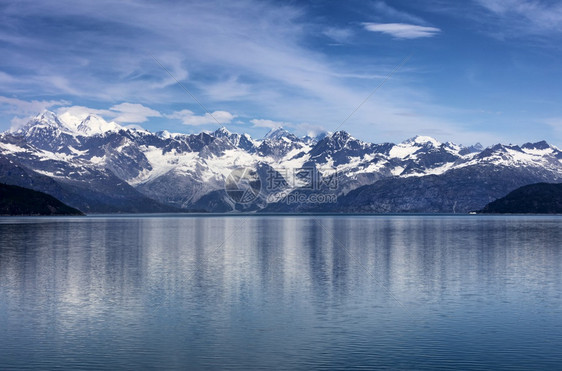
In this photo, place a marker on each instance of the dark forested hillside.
(16, 200)
(540, 198)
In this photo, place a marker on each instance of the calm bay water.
(281, 292)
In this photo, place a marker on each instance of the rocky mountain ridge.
(98, 166)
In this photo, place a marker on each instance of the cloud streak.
(133, 113)
(389, 12)
(188, 117)
(340, 35)
(246, 59)
(123, 113)
(21, 110)
(265, 123)
(23, 107)
(527, 16)
(265, 68)
(402, 30)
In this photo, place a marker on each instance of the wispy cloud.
(187, 117)
(254, 58)
(526, 16)
(402, 30)
(310, 129)
(227, 89)
(340, 35)
(555, 123)
(391, 13)
(265, 123)
(112, 60)
(76, 114)
(262, 68)
(21, 110)
(133, 113)
(124, 113)
(23, 107)
(303, 127)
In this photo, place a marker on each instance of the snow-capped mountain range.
(99, 166)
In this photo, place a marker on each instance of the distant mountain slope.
(540, 198)
(16, 200)
(456, 191)
(99, 166)
(102, 193)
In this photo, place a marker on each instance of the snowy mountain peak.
(342, 134)
(90, 125)
(475, 148)
(45, 119)
(164, 134)
(316, 137)
(189, 170)
(341, 139)
(538, 145)
(222, 132)
(478, 146)
(422, 140)
(410, 146)
(277, 133)
(94, 124)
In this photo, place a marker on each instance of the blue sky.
(479, 70)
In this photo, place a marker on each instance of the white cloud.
(310, 130)
(133, 113)
(266, 67)
(81, 112)
(264, 123)
(187, 117)
(127, 113)
(229, 89)
(526, 16)
(173, 62)
(133, 126)
(22, 107)
(339, 35)
(74, 115)
(255, 54)
(302, 128)
(402, 30)
(18, 122)
(6, 79)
